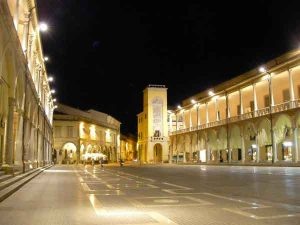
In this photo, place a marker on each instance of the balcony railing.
(261, 112)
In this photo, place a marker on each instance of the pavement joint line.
(100, 211)
(178, 186)
(249, 215)
(199, 202)
(233, 199)
(172, 191)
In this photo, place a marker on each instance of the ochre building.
(26, 103)
(153, 126)
(80, 135)
(253, 118)
(128, 147)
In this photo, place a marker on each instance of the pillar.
(16, 16)
(292, 93)
(243, 149)
(10, 133)
(271, 91)
(25, 33)
(241, 102)
(198, 117)
(184, 150)
(254, 99)
(217, 109)
(183, 119)
(206, 110)
(170, 122)
(295, 145)
(257, 150)
(191, 121)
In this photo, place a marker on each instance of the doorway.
(157, 151)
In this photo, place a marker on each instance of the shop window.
(286, 95)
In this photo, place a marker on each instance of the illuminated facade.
(128, 148)
(81, 135)
(26, 104)
(253, 118)
(153, 126)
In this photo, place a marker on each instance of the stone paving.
(153, 195)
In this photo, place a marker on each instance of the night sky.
(104, 53)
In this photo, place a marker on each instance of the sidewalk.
(53, 197)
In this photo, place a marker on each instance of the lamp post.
(263, 70)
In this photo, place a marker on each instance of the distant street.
(152, 195)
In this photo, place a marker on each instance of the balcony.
(261, 112)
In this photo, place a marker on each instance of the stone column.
(206, 112)
(291, 82)
(25, 32)
(217, 109)
(254, 100)
(191, 121)
(271, 91)
(295, 145)
(198, 117)
(241, 102)
(257, 150)
(243, 148)
(183, 119)
(184, 150)
(16, 16)
(10, 133)
(170, 122)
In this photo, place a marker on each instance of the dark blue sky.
(104, 53)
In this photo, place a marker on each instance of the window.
(298, 91)
(286, 95)
(145, 116)
(252, 106)
(266, 101)
(57, 131)
(69, 131)
(218, 115)
(238, 109)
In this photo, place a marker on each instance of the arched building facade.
(26, 102)
(253, 118)
(79, 135)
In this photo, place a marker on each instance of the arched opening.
(157, 153)
(69, 153)
(202, 153)
(264, 140)
(222, 144)
(212, 144)
(250, 142)
(235, 143)
(283, 137)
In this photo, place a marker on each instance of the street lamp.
(46, 58)
(211, 93)
(193, 101)
(268, 77)
(51, 79)
(43, 27)
(52, 91)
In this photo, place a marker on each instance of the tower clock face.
(157, 107)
